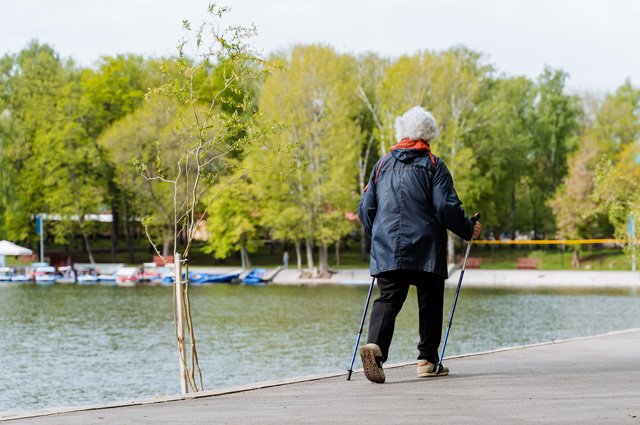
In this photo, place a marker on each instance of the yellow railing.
(552, 241)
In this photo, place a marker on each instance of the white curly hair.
(417, 124)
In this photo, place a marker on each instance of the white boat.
(5, 274)
(87, 276)
(87, 280)
(153, 274)
(13, 274)
(66, 275)
(21, 279)
(45, 275)
(19, 275)
(127, 276)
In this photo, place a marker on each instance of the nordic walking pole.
(364, 315)
(438, 367)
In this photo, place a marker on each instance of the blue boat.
(207, 278)
(255, 277)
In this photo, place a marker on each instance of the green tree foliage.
(112, 91)
(67, 159)
(553, 124)
(146, 136)
(115, 89)
(612, 128)
(53, 113)
(8, 197)
(617, 186)
(315, 101)
(33, 80)
(523, 152)
(577, 213)
(234, 219)
(52, 159)
(500, 147)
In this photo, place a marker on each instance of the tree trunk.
(127, 232)
(298, 255)
(310, 264)
(323, 254)
(243, 265)
(166, 244)
(87, 247)
(575, 259)
(244, 257)
(451, 248)
(512, 213)
(534, 218)
(114, 230)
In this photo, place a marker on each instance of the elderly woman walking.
(406, 209)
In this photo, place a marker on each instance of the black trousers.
(394, 287)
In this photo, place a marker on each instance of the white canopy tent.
(9, 248)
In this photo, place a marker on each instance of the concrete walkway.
(587, 381)
(484, 278)
(547, 279)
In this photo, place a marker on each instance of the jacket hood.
(406, 155)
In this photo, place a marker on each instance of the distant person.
(406, 209)
(285, 259)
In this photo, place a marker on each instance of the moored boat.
(127, 276)
(87, 276)
(5, 274)
(45, 275)
(152, 274)
(19, 275)
(65, 274)
(255, 277)
(211, 278)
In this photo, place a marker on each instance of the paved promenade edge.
(273, 383)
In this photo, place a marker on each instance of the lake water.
(79, 345)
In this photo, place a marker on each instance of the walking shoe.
(371, 356)
(428, 370)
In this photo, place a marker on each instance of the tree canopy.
(536, 160)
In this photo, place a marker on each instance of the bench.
(474, 262)
(528, 263)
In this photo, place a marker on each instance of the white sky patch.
(593, 40)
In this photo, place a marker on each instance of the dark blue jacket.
(406, 211)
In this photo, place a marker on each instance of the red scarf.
(407, 143)
(417, 144)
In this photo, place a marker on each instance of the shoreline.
(476, 278)
(473, 278)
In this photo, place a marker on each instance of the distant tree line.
(533, 158)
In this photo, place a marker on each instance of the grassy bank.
(553, 258)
